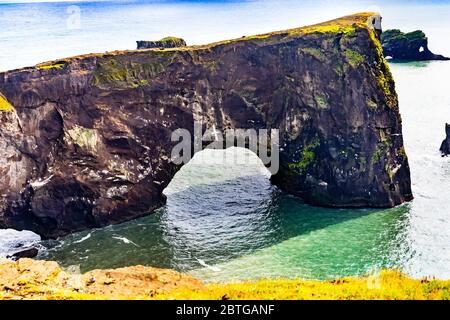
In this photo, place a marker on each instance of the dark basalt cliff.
(86, 141)
(407, 46)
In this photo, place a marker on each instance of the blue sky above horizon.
(368, 1)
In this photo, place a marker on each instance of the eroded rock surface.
(88, 142)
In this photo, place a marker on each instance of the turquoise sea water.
(226, 221)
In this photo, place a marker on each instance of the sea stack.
(445, 146)
(86, 141)
(407, 46)
(165, 43)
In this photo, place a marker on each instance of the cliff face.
(407, 46)
(89, 140)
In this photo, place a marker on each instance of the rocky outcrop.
(445, 146)
(24, 253)
(165, 43)
(34, 279)
(407, 46)
(88, 142)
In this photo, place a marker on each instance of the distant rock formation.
(407, 46)
(445, 146)
(165, 43)
(86, 141)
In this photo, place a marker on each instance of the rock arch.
(89, 140)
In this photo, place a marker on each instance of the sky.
(199, 1)
(37, 1)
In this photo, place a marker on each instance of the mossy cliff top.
(126, 65)
(30, 279)
(347, 24)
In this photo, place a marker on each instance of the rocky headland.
(86, 141)
(407, 46)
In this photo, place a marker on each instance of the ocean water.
(35, 32)
(226, 221)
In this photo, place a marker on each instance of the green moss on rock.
(83, 137)
(307, 156)
(127, 73)
(385, 138)
(316, 53)
(377, 155)
(382, 72)
(354, 57)
(321, 100)
(402, 153)
(139, 83)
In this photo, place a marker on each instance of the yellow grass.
(50, 66)
(5, 105)
(385, 286)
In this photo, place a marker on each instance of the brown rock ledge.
(35, 279)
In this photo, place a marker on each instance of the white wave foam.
(12, 240)
(125, 240)
(204, 264)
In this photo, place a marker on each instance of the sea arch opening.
(211, 166)
(263, 142)
(220, 193)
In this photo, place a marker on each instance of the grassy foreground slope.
(385, 286)
(31, 279)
